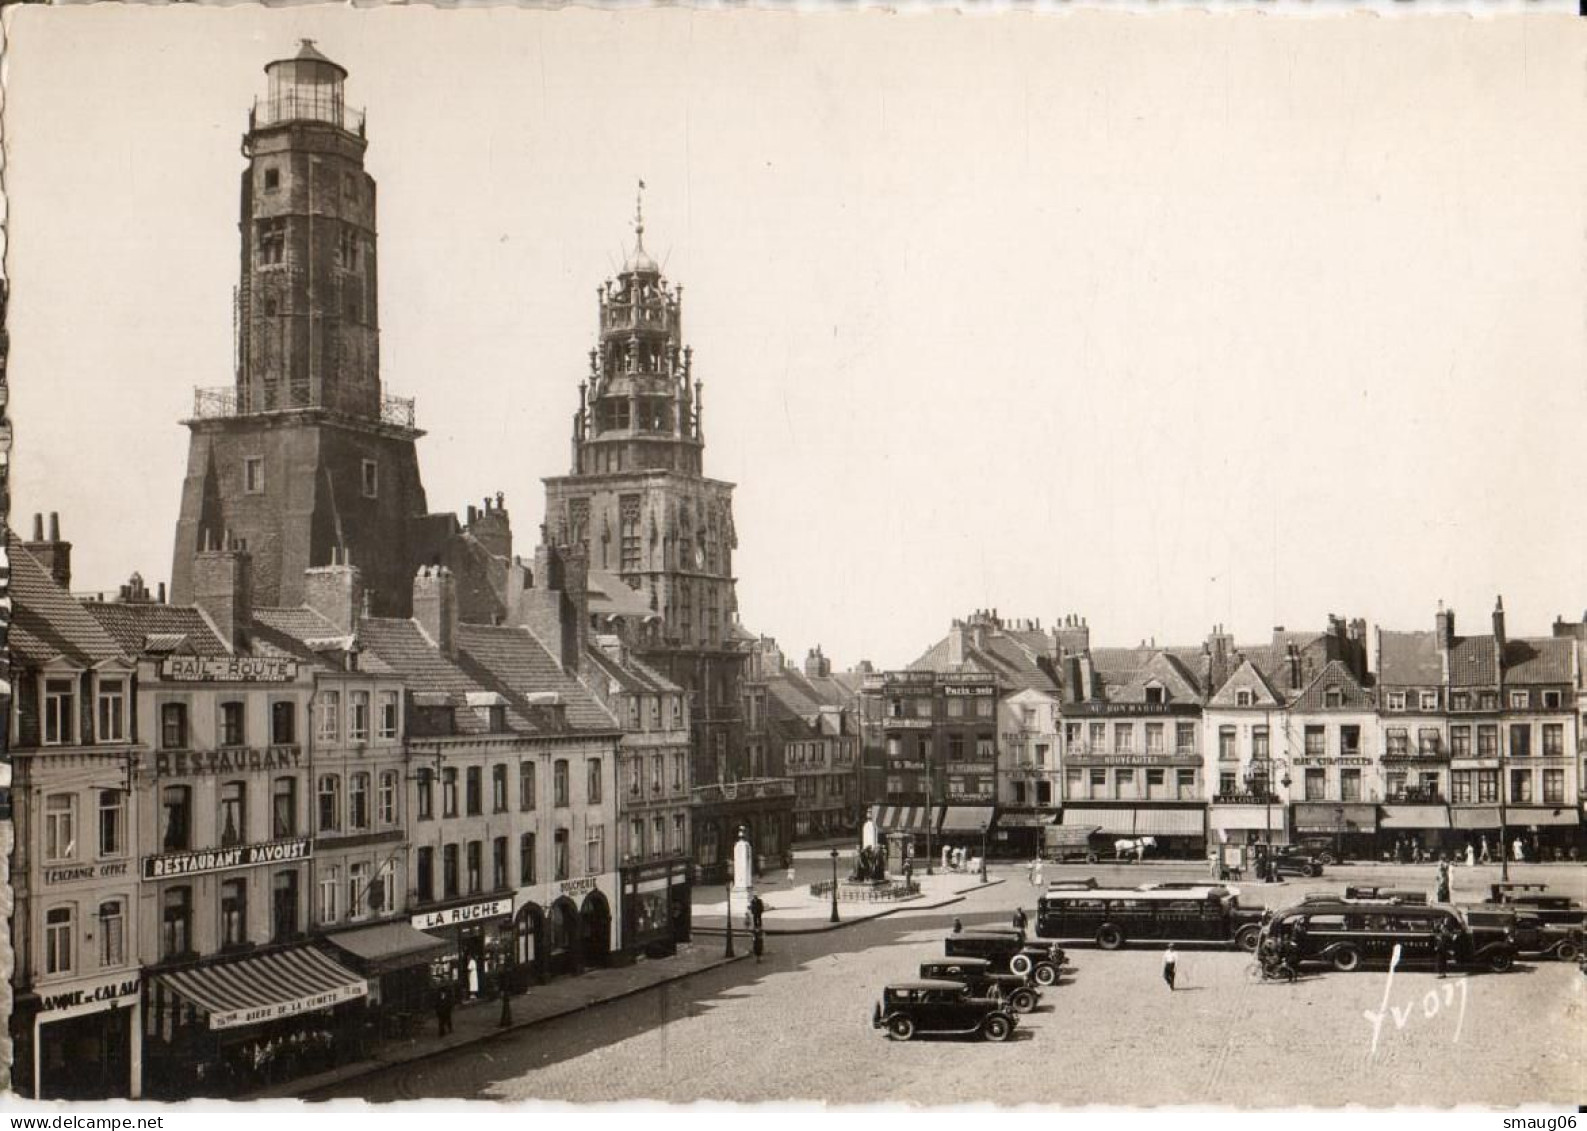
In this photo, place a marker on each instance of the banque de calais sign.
(229, 669)
(220, 859)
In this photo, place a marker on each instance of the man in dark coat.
(443, 1010)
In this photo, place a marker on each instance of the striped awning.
(1141, 822)
(265, 987)
(905, 818)
(967, 818)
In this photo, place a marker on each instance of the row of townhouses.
(1003, 728)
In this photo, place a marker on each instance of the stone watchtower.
(304, 454)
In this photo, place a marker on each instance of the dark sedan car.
(931, 1006)
(983, 981)
(1289, 860)
(1008, 953)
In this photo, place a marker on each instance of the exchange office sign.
(110, 870)
(220, 859)
(454, 916)
(229, 669)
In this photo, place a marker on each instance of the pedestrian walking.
(1441, 947)
(443, 1010)
(1019, 918)
(1170, 964)
(958, 927)
(1471, 857)
(1441, 893)
(758, 942)
(1485, 855)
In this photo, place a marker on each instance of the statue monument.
(868, 833)
(743, 867)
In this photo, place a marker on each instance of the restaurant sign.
(234, 760)
(219, 859)
(455, 916)
(229, 669)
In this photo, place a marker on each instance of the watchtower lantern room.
(306, 87)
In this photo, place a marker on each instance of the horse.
(1134, 844)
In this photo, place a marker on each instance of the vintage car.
(1292, 860)
(932, 1006)
(1560, 922)
(1008, 953)
(983, 981)
(1348, 934)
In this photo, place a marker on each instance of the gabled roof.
(1473, 662)
(999, 654)
(631, 675)
(511, 660)
(413, 657)
(48, 622)
(144, 626)
(1409, 659)
(1545, 659)
(1247, 677)
(1335, 676)
(1165, 671)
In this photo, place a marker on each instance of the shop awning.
(967, 819)
(1327, 817)
(389, 946)
(904, 818)
(1140, 822)
(1415, 817)
(1246, 817)
(1539, 815)
(1111, 822)
(264, 988)
(1482, 818)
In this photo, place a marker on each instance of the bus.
(1113, 917)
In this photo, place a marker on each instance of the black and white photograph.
(845, 557)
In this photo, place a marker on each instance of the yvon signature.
(1441, 999)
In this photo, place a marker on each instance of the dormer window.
(1243, 697)
(1520, 700)
(1333, 697)
(1429, 700)
(1395, 700)
(1154, 694)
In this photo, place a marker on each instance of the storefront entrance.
(565, 933)
(596, 918)
(87, 1057)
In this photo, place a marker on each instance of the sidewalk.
(794, 911)
(478, 1022)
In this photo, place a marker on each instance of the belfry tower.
(305, 454)
(638, 501)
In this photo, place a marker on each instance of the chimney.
(555, 605)
(1444, 625)
(1294, 668)
(161, 590)
(575, 605)
(1498, 623)
(816, 664)
(435, 607)
(335, 591)
(956, 644)
(491, 527)
(53, 554)
(223, 590)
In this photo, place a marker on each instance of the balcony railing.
(754, 789)
(312, 104)
(1411, 795)
(225, 401)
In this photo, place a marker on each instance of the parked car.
(933, 1006)
(1562, 921)
(983, 981)
(1292, 860)
(1008, 954)
(1350, 933)
(1326, 848)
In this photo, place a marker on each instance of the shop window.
(284, 808)
(526, 786)
(388, 714)
(449, 872)
(526, 860)
(176, 922)
(233, 813)
(498, 788)
(231, 724)
(112, 711)
(424, 875)
(173, 726)
(59, 934)
(476, 866)
(60, 712)
(358, 716)
(330, 802)
(283, 722)
(559, 783)
(498, 863)
(112, 933)
(386, 801)
(449, 792)
(176, 813)
(358, 801)
(112, 822)
(424, 791)
(233, 913)
(330, 717)
(330, 892)
(284, 905)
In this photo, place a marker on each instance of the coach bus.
(1114, 916)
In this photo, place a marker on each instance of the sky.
(1166, 321)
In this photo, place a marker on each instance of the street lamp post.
(983, 851)
(834, 918)
(928, 812)
(727, 950)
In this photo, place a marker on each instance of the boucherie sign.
(220, 859)
(229, 669)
